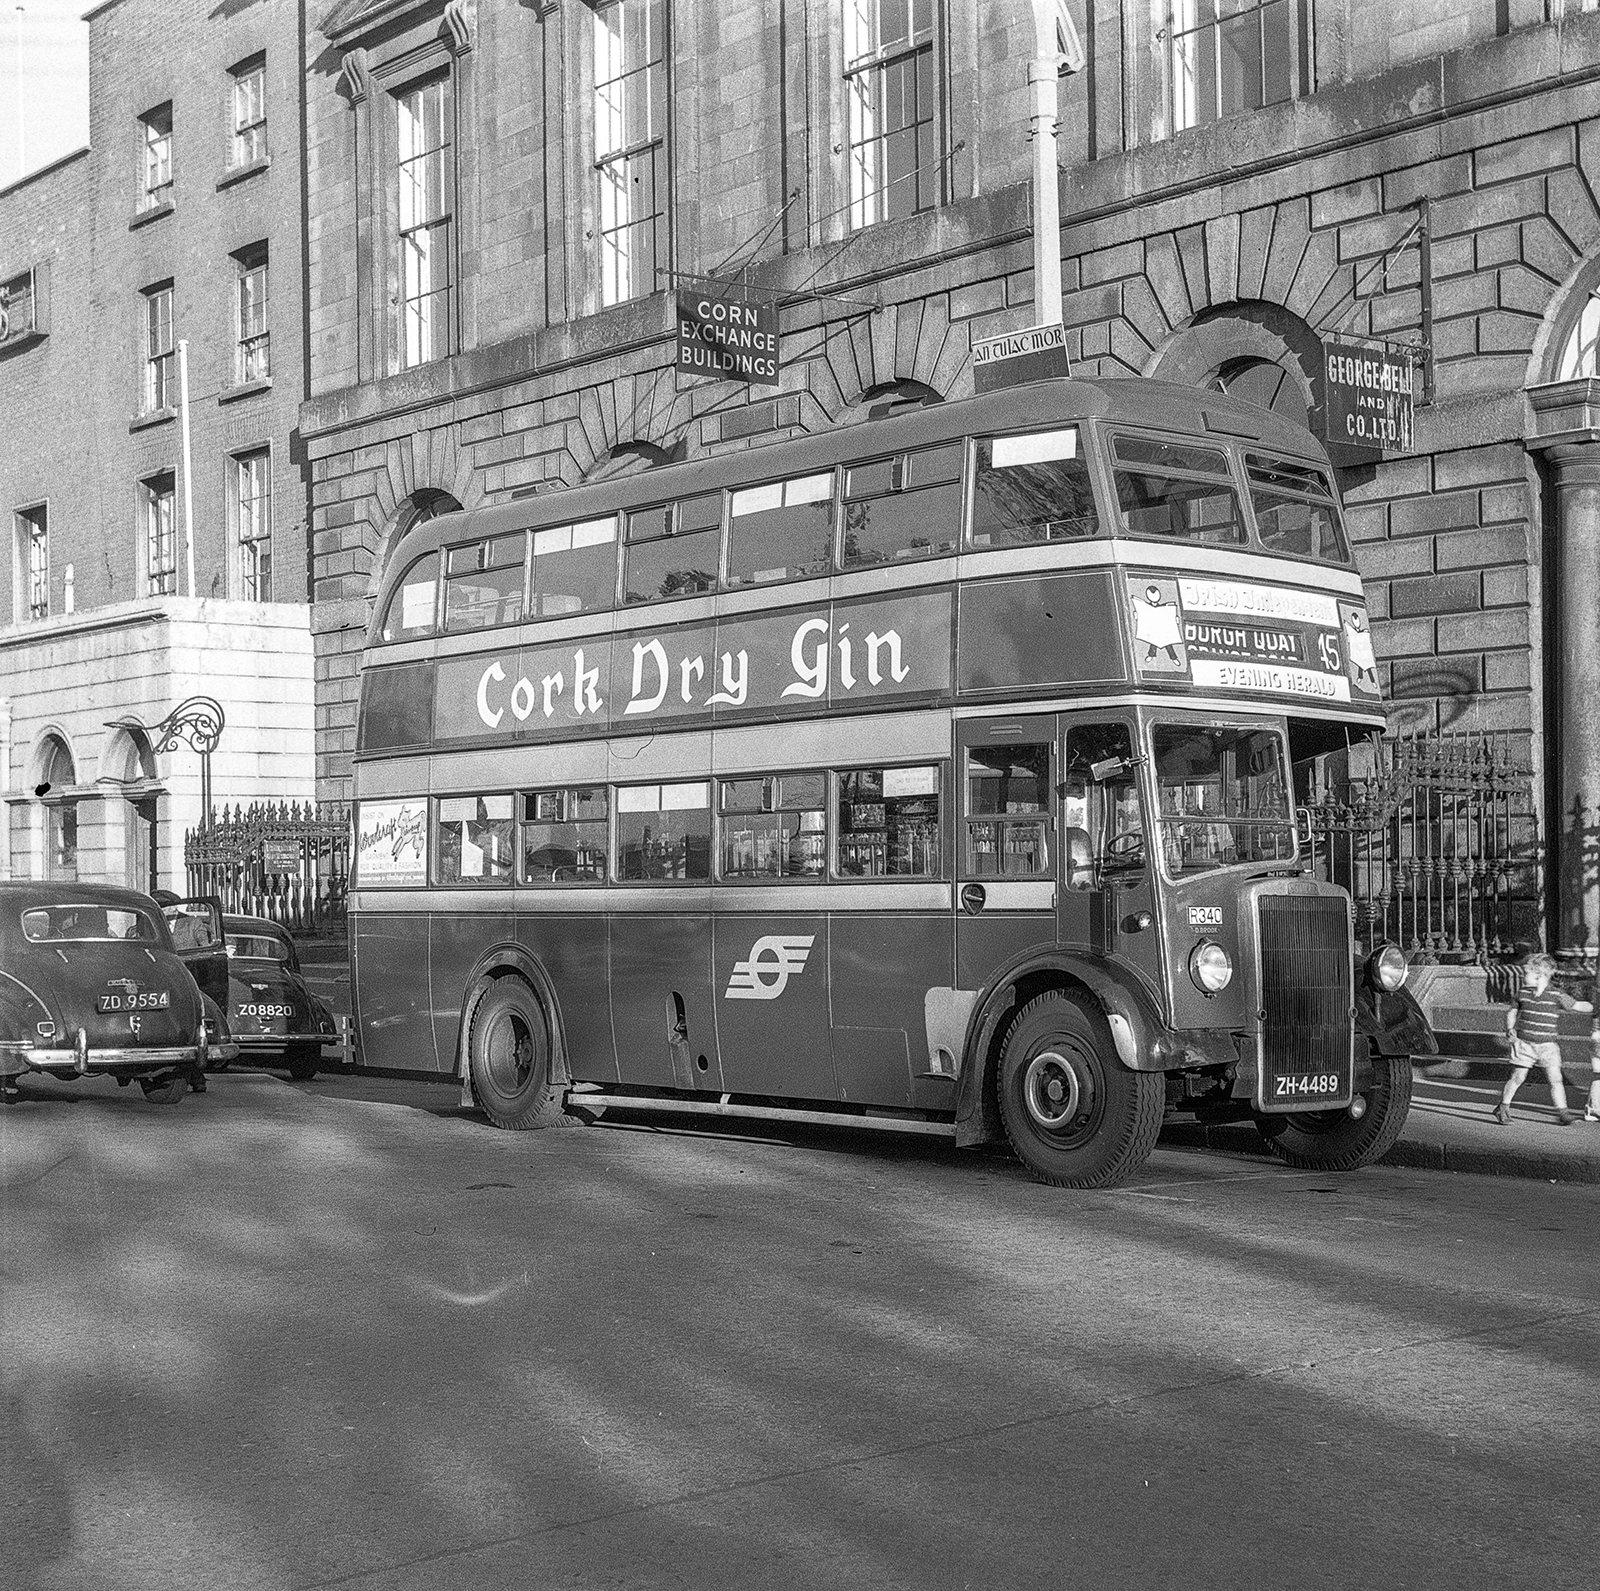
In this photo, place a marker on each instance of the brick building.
(501, 196)
(145, 570)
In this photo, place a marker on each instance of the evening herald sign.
(725, 330)
(1238, 636)
(828, 656)
(1368, 396)
(1018, 356)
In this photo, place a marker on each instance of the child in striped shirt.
(1532, 1026)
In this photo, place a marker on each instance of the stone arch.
(417, 509)
(900, 347)
(53, 762)
(633, 458)
(1227, 342)
(1577, 299)
(128, 757)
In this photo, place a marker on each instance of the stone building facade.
(179, 224)
(1231, 194)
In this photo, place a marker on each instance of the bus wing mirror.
(1109, 768)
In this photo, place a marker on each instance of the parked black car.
(274, 1018)
(93, 984)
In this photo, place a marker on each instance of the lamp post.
(1056, 49)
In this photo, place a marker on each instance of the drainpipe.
(188, 469)
(5, 784)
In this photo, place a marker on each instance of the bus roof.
(1164, 405)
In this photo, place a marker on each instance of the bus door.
(772, 951)
(662, 1011)
(1005, 842)
(1107, 903)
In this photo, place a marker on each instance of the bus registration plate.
(1323, 1089)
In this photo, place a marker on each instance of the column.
(1573, 584)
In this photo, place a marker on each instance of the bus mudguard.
(511, 960)
(1131, 1014)
(1392, 1021)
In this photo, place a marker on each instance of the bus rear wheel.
(508, 1057)
(1076, 1116)
(1334, 1140)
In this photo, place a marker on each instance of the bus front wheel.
(1335, 1140)
(1076, 1116)
(508, 1056)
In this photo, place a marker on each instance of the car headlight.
(1386, 968)
(1210, 966)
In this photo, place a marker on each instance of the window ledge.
(143, 422)
(245, 389)
(240, 173)
(20, 340)
(153, 213)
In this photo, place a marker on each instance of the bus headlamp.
(1386, 968)
(1210, 966)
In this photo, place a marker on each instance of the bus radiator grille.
(1306, 974)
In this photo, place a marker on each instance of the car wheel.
(1076, 1116)
(165, 1090)
(1334, 1140)
(508, 1058)
(301, 1060)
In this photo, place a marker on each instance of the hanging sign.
(1007, 361)
(727, 331)
(1369, 397)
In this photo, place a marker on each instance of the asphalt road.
(342, 1334)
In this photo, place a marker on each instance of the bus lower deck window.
(664, 832)
(774, 827)
(564, 835)
(889, 823)
(1008, 806)
(474, 839)
(1031, 489)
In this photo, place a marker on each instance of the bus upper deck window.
(889, 823)
(781, 531)
(483, 582)
(473, 836)
(564, 835)
(1296, 510)
(1032, 488)
(1176, 489)
(574, 568)
(413, 609)
(673, 549)
(774, 827)
(905, 506)
(664, 831)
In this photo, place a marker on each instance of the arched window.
(1265, 382)
(57, 774)
(1581, 356)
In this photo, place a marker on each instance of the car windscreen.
(89, 924)
(258, 947)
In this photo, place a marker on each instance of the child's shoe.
(1502, 1114)
(1590, 1115)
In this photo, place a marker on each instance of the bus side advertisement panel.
(1038, 630)
(765, 666)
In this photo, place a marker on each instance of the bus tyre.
(1334, 1140)
(1076, 1116)
(508, 1058)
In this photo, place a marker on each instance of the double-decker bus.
(932, 774)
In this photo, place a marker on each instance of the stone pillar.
(1573, 581)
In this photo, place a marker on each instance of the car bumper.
(255, 1043)
(127, 1061)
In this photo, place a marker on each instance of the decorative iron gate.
(1435, 838)
(284, 860)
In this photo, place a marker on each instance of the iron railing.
(1436, 840)
(289, 861)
